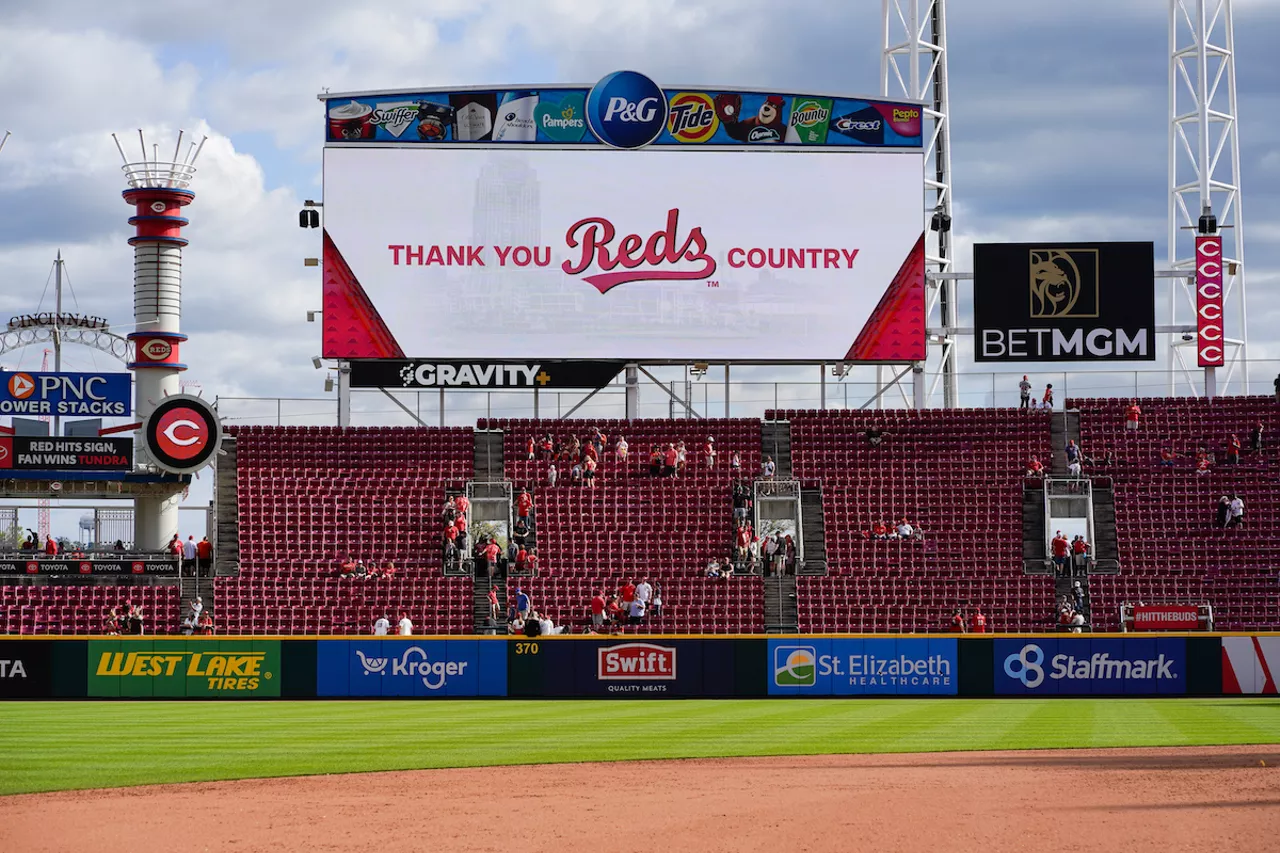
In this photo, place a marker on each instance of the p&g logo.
(1027, 666)
(626, 110)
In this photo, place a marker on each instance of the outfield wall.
(659, 667)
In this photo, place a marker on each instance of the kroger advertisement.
(484, 253)
(411, 667)
(65, 394)
(841, 667)
(573, 115)
(1079, 667)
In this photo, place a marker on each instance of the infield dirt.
(1135, 800)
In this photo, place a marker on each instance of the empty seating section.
(955, 473)
(65, 609)
(632, 524)
(309, 497)
(1170, 551)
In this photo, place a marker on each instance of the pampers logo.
(414, 662)
(626, 110)
(1028, 666)
(795, 666)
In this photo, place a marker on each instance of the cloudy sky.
(1059, 111)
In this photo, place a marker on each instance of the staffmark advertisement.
(409, 667)
(840, 667)
(66, 394)
(235, 668)
(28, 453)
(1064, 302)
(1090, 666)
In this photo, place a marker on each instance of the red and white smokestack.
(158, 191)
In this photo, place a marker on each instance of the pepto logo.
(641, 259)
(636, 662)
(626, 110)
(414, 662)
(692, 117)
(795, 666)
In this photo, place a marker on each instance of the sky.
(1059, 111)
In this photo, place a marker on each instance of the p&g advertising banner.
(845, 667)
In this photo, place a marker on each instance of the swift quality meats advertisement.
(663, 255)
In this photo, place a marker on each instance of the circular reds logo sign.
(157, 349)
(182, 434)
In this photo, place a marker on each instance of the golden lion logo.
(1064, 283)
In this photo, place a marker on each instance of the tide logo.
(795, 666)
(21, 386)
(692, 117)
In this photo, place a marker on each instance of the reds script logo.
(636, 662)
(157, 349)
(641, 259)
(182, 433)
(21, 386)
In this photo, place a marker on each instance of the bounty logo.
(795, 666)
(626, 110)
(414, 662)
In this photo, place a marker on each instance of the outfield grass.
(46, 746)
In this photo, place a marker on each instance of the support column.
(344, 394)
(822, 385)
(917, 386)
(633, 392)
(726, 389)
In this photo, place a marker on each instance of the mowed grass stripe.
(52, 746)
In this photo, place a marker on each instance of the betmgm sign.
(1064, 302)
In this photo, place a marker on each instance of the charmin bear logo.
(766, 126)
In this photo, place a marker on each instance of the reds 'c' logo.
(182, 433)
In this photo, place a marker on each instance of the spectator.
(531, 561)
(655, 607)
(521, 559)
(1077, 621)
(1024, 393)
(741, 502)
(713, 568)
(489, 557)
(51, 546)
(361, 571)
(1255, 438)
(726, 567)
(735, 463)
(614, 610)
(205, 626)
(597, 610)
(790, 554)
(1204, 463)
(1075, 472)
(493, 603)
(546, 626)
(204, 553)
(904, 530)
(1131, 415)
(978, 622)
(532, 448)
(1079, 554)
(460, 524)
(1047, 400)
(627, 592)
(590, 453)
(1108, 459)
(1235, 513)
(189, 624)
(524, 506)
(533, 626)
(405, 626)
(682, 456)
(174, 548)
(1168, 457)
(768, 548)
(1224, 511)
(189, 551)
(670, 460)
(449, 512)
(119, 546)
(709, 452)
(575, 474)
(519, 532)
(381, 626)
(767, 468)
(348, 568)
(636, 612)
(1035, 468)
(1059, 545)
(522, 603)
(879, 530)
(621, 449)
(589, 472)
(136, 625)
(451, 552)
(1233, 450)
(957, 621)
(655, 461)
(552, 474)
(111, 626)
(1073, 451)
(1077, 591)
(644, 592)
(516, 625)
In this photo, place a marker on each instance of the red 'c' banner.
(1166, 617)
(1209, 324)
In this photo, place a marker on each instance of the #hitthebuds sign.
(492, 254)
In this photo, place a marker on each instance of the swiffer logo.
(636, 662)
(414, 662)
(641, 259)
(626, 110)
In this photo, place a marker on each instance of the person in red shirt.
(957, 621)
(524, 505)
(489, 556)
(1233, 450)
(531, 561)
(669, 459)
(979, 622)
(627, 592)
(493, 594)
(51, 547)
(1060, 546)
(522, 557)
(532, 448)
(1047, 400)
(204, 553)
(1035, 468)
(590, 452)
(1168, 457)
(742, 542)
(1131, 415)
(614, 610)
(463, 505)
(450, 541)
(1079, 553)
(880, 530)
(597, 609)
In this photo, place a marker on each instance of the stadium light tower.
(913, 63)
(1204, 177)
(158, 190)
